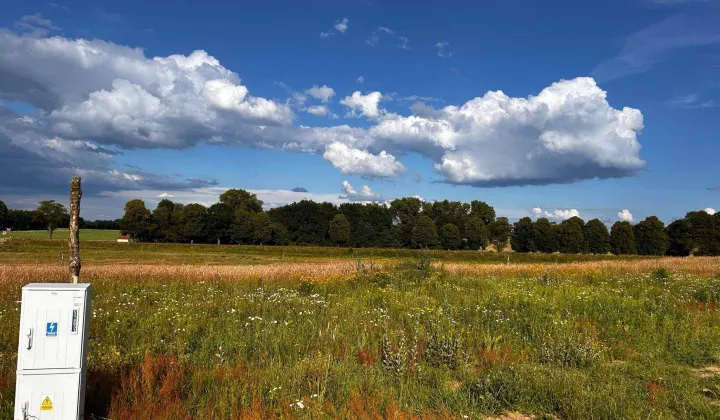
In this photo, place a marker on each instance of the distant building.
(124, 239)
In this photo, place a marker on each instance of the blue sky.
(248, 121)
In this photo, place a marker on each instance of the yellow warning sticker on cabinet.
(46, 404)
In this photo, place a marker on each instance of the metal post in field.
(74, 240)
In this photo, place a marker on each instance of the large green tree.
(22, 220)
(251, 228)
(261, 228)
(650, 237)
(499, 232)
(570, 235)
(370, 225)
(307, 222)
(51, 215)
(697, 233)
(483, 210)
(339, 229)
(476, 233)
(137, 221)
(219, 219)
(544, 235)
(193, 220)
(405, 213)
(523, 238)
(241, 230)
(239, 199)
(424, 234)
(450, 237)
(622, 238)
(596, 237)
(280, 235)
(165, 218)
(444, 212)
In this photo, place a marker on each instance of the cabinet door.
(51, 329)
(47, 397)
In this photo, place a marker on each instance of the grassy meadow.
(182, 332)
(62, 234)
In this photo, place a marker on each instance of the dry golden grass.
(334, 271)
(690, 265)
(317, 272)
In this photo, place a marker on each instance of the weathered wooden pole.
(74, 240)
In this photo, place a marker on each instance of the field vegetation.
(49, 252)
(324, 334)
(61, 234)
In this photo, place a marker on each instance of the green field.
(229, 332)
(62, 234)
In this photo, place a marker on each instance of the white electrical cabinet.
(52, 351)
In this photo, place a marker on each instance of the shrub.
(660, 274)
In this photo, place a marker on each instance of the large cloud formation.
(97, 98)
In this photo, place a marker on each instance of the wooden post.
(74, 240)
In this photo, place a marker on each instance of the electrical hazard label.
(46, 404)
(51, 329)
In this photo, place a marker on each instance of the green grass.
(411, 340)
(46, 252)
(62, 234)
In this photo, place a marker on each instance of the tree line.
(48, 215)
(698, 233)
(238, 218)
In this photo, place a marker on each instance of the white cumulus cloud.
(566, 133)
(710, 211)
(363, 105)
(341, 25)
(97, 98)
(323, 93)
(556, 214)
(625, 215)
(366, 193)
(349, 160)
(318, 110)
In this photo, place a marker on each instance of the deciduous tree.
(570, 235)
(261, 228)
(219, 220)
(280, 235)
(339, 229)
(137, 221)
(523, 237)
(596, 237)
(650, 237)
(51, 215)
(544, 235)
(451, 238)
(696, 234)
(405, 213)
(424, 234)
(192, 222)
(499, 232)
(239, 199)
(163, 218)
(476, 233)
(483, 210)
(622, 238)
